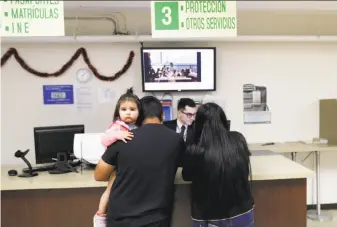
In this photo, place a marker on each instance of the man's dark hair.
(151, 107)
(183, 102)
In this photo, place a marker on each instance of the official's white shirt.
(178, 129)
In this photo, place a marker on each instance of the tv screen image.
(178, 69)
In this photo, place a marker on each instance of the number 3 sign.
(166, 16)
(188, 19)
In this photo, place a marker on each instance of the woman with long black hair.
(218, 165)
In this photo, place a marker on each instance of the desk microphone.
(30, 173)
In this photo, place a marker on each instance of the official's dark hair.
(222, 156)
(183, 102)
(151, 107)
(129, 96)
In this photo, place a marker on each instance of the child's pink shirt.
(112, 134)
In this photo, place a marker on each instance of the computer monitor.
(53, 140)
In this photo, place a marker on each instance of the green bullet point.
(7, 28)
(182, 24)
(182, 8)
(6, 14)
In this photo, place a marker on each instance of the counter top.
(265, 167)
(277, 167)
(297, 146)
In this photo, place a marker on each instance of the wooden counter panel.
(278, 203)
(50, 208)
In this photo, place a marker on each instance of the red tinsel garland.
(67, 65)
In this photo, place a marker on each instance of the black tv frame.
(177, 48)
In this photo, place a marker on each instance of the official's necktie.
(182, 131)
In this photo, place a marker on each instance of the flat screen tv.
(178, 69)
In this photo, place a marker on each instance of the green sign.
(193, 19)
(32, 18)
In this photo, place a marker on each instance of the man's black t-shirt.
(146, 166)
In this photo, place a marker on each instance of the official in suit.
(184, 123)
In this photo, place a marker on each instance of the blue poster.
(58, 94)
(167, 113)
(167, 109)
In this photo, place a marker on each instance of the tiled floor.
(333, 223)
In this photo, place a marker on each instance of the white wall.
(249, 22)
(297, 75)
(22, 98)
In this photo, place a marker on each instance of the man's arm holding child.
(103, 171)
(106, 166)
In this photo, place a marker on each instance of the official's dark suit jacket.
(173, 125)
(189, 139)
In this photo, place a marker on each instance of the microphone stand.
(30, 172)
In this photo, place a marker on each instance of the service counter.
(279, 190)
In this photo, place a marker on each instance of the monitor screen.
(49, 141)
(178, 69)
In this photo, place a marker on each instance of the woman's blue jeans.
(242, 220)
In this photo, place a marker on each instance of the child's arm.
(115, 133)
(110, 136)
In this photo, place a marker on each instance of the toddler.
(124, 120)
